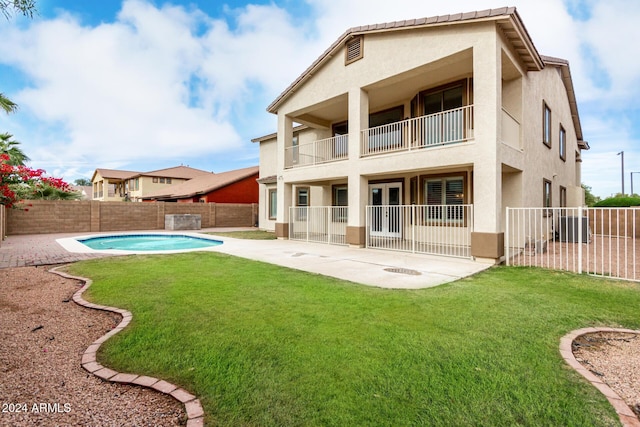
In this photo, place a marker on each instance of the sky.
(143, 85)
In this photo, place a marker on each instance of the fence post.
(506, 239)
(329, 208)
(580, 213)
(413, 229)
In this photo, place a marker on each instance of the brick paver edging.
(192, 406)
(626, 415)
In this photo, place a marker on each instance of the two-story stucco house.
(416, 136)
(112, 185)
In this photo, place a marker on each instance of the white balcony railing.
(448, 127)
(321, 151)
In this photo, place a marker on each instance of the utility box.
(568, 229)
(183, 222)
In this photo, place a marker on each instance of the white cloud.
(147, 85)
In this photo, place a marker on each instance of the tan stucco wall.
(504, 173)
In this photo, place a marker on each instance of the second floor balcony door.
(386, 215)
(445, 118)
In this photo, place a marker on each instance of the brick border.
(627, 417)
(192, 405)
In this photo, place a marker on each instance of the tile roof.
(115, 173)
(184, 172)
(507, 17)
(202, 184)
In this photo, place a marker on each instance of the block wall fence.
(64, 216)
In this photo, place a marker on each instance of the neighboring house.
(416, 136)
(85, 190)
(119, 185)
(236, 186)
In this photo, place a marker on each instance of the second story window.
(546, 125)
(562, 143)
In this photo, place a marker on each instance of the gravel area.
(614, 357)
(43, 334)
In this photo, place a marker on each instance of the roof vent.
(354, 50)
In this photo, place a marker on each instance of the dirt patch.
(615, 358)
(42, 339)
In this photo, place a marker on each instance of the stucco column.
(285, 138)
(358, 185)
(487, 240)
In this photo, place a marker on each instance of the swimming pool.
(148, 242)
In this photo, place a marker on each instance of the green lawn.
(263, 345)
(246, 234)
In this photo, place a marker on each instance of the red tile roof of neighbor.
(203, 184)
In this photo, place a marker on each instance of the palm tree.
(16, 155)
(7, 105)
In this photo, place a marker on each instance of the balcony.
(448, 127)
(317, 152)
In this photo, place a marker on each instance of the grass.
(246, 234)
(268, 346)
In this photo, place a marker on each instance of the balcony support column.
(358, 119)
(488, 230)
(284, 189)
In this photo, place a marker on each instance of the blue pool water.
(149, 242)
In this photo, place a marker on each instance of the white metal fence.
(597, 241)
(427, 229)
(323, 224)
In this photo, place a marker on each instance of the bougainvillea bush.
(24, 183)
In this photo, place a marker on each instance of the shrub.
(618, 202)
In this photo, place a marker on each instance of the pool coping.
(193, 407)
(73, 244)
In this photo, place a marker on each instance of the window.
(445, 121)
(341, 135)
(387, 137)
(155, 179)
(354, 50)
(303, 197)
(446, 195)
(161, 180)
(562, 143)
(340, 200)
(273, 203)
(563, 197)
(546, 197)
(137, 184)
(302, 202)
(546, 125)
(168, 181)
(295, 149)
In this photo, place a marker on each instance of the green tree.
(16, 155)
(589, 198)
(24, 7)
(84, 182)
(7, 105)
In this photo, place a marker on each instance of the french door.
(386, 214)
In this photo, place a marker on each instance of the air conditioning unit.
(569, 227)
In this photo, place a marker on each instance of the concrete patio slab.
(371, 267)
